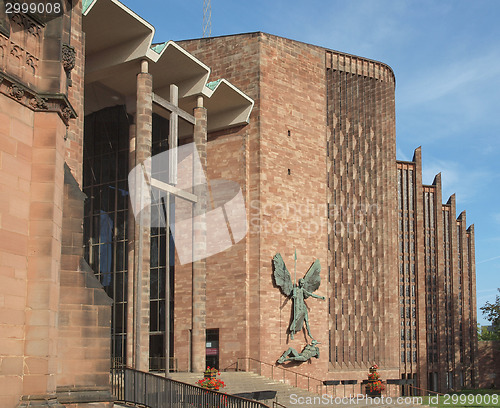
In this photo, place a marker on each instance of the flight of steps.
(239, 382)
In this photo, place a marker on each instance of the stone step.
(287, 395)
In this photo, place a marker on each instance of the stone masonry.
(54, 316)
(317, 166)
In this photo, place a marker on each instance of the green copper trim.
(86, 4)
(212, 85)
(158, 48)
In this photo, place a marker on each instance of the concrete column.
(44, 256)
(198, 332)
(144, 129)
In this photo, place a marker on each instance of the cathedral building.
(322, 178)
(146, 187)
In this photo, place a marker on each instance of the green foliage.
(483, 334)
(492, 313)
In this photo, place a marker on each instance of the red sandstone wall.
(411, 209)
(32, 176)
(233, 312)
(363, 258)
(452, 319)
(85, 309)
(286, 80)
(16, 155)
(74, 137)
(16, 140)
(489, 364)
(258, 157)
(422, 376)
(32, 245)
(288, 132)
(293, 99)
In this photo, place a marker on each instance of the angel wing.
(312, 280)
(282, 276)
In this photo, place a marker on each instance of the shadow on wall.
(489, 364)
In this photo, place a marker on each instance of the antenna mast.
(207, 18)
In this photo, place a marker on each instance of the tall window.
(106, 150)
(105, 159)
(160, 210)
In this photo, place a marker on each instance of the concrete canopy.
(113, 56)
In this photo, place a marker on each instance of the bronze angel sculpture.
(298, 293)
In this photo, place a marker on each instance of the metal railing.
(423, 391)
(158, 364)
(279, 373)
(153, 391)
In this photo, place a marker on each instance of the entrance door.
(212, 348)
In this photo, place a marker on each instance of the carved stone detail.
(4, 44)
(16, 92)
(26, 23)
(39, 103)
(33, 29)
(59, 103)
(32, 62)
(16, 50)
(18, 19)
(67, 113)
(68, 57)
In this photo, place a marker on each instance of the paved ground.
(291, 397)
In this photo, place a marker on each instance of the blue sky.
(446, 57)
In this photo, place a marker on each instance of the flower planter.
(375, 385)
(210, 380)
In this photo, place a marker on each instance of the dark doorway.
(212, 347)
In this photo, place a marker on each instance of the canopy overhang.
(112, 62)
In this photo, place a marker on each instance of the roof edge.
(259, 33)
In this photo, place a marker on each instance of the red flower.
(211, 383)
(375, 386)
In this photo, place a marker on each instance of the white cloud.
(488, 260)
(459, 77)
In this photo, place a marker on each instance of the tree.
(483, 334)
(492, 313)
